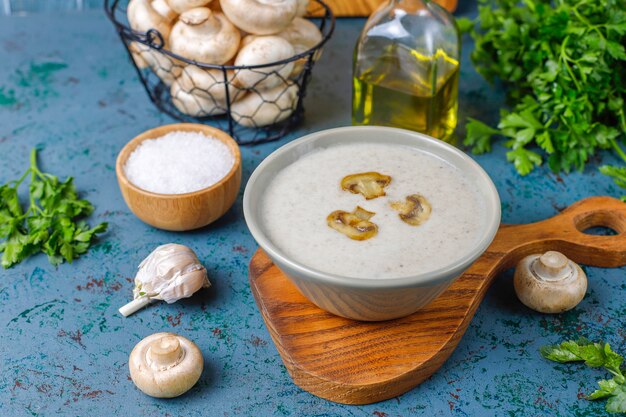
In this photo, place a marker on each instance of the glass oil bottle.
(406, 69)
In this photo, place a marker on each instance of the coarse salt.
(178, 163)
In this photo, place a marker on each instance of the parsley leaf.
(617, 402)
(49, 225)
(564, 67)
(594, 355)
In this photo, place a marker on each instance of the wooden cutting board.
(354, 362)
(366, 7)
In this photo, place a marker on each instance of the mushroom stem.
(134, 306)
(551, 266)
(165, 352)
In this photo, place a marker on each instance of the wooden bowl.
(181, 212)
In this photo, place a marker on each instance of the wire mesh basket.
(253, 103)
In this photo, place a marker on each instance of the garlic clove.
(171, 272)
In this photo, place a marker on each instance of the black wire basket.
(197, 92)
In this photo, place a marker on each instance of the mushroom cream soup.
(298, 207)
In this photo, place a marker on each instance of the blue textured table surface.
(66, 87)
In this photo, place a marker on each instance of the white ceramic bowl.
(369, 299)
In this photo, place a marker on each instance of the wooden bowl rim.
(160, 131)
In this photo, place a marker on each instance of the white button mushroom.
(549, 283)
(208, 82)
(303, 35)
(143, 16)
(262, 108)
(204, 36)
(260, 17)
(165, 365)
(196, 103)
(163, 66)
(303, 6)
(181, 6)
(163, 8)
(169, 273)
(136, 49)
(259, 50)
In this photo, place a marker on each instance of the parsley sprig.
(49, 224)
(564, 65)
(595, 355)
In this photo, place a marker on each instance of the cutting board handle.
(564, 233)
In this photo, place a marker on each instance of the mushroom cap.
(260, 50)
(166, 68)
(142, 17)
(262, 108)
(205, 36)
(303, 5)
(136, 51)
(196, 103)
(163, 8)
(181, 6)
(207, 82)
(549, 282)
(303, 35)
(165, 365)
(260, 17)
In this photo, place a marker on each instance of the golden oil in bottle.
(424, 99)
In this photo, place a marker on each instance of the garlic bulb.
(169, 273)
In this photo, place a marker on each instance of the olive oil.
(424, 99)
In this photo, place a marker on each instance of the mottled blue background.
(66, 87)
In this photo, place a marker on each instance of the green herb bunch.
(595, 355)
(564, 65)
(49, 225)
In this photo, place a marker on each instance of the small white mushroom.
(303, 5)
(196, 103)
(163, 66)
(262, 108)
(207, 82)
(136, 51)
(165, 365)
(260, 17)
(549, 283)
(303, 35)
(181, 6)
(259, 50)
(163, 8)
(204, 36)
(144, 15)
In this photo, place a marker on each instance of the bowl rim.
(160, 131)
(437, 276)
